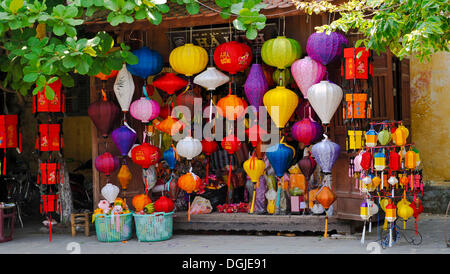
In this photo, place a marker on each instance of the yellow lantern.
(404, 211)
(411, 159)
(188, 59)
(376, 181)
(364, 211)
(124, 176)
(280, 103)
(355, 140)
(254, 168)
(399, 136)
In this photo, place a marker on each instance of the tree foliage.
(406, 27)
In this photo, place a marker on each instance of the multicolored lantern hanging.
(189, 147)
(306, 131)
(379, 161)
(307, 72)
(188, 59)
(280, 52)
(326, 153)
(232, 57)
(371, 137)
(256, 85)
(324, 47)
(144, 110)
(124, 88)
(149, 63)
(280, 103)
(170, 83)
(325, 97)
(124, 137)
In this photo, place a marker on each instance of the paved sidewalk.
(431, 227)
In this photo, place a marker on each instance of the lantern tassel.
(390, 235)
(189, 209)
(207, 171)
(229, 172)
(145, 182)
(363, 233)
(385, 225)
(50, 228)
(253, 199)
(326, 226)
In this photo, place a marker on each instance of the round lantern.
(189, 182)
(149, 63)
(170, 156)
(139, 201)
(384, 137)
(232, 57)
(189, 147)
(307, 165)
(110, 192)
(124, 176)
(280, 103)
(170, 83)
(306, 131)
(326, 153)
(231, 144)
(405, 211)
(106, 163)
(124, 137)
(379, 161)
(393, 180)
(103, 114)
(391, 212)
(400, 135)
(145, 155)
(188, 59)
(325, 97)
(371, 138)
(366, 160)
(211, 78)
(232, 107)
(307, 72)
(144, 109)
(209, 147)
(164, 204)
(324, 47)
(280, 52)
(280, 157)
(124, 88)
(256, 85)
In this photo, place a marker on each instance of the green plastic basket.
(109, 230)
(154, 227)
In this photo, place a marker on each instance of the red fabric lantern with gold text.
(232, 57)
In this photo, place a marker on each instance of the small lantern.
(394, 161)
(410, 159)
(376, 181)
(366, 160)
(49, 174)
(379, 161)
(42, 104)
(355, 139)
(384, 137)
(391, 212)
(49, 204)
(356, 106)
(364, 211)
(371, 138)
(170, 83)
(399, 136)
(49, 137)
(356, 67)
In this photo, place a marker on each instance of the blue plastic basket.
(154, 227)
(109, 230)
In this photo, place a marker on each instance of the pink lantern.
(144, 110)
(306, 131)
(307, 72)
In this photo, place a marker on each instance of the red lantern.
(145, 155)
(50, 204)
(232, 57)
(42, 104)
(170, 83)
(49, 174)
(394, 161)
(8, 131)
(164, 204)
(106, 163)
(209, 147)
(49, 137)
(231, 144)
(103, 114)
(366, 160)
(105, 77)
(356, 67)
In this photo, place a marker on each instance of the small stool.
(80, 220)
(5, 214)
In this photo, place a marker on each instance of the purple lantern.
(306, 131)
(307, 72)
(256, 85)
(323, 47)
(326, 153)
(124, 137)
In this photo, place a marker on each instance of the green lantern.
(384, 137)
(282, 77)
(280, 52)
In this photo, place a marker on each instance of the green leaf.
(193, 8)
(59, 29)
(49, 93)
(71, 31)
(131, 59)
(31, 77)
(15, 5)
(82, 67)
(69, 61)
(41, 81)
(239, 25)
(67, 80)
(70, 11)
(223, 3)
(251, 33)
(163, 8)
(51, 80)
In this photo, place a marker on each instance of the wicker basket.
(154, 227)
(114, 228)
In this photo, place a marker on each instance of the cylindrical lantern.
(379, 161)
(400, 135)
(371, 138)
(410, 159)
(394, 161)
(189, 147)
(307, 72)
(256, 85)
(149, 63)
(364, 211)
(232, 57)
(188, 59)
(144, 110)
(280, 103)
(280, 52)
(325, 97)
(391, 212)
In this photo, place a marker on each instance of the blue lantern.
(280, 157)
(171, 157)
(150, 63)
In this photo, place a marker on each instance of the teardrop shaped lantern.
(124, 176)
(384, 137)
(106, 163)
(325, 97)
(104, 114)
(188, 59)
(307, 165)
(306, 131)
(124, 88)
(189, 147)
(324, 47)
(326, 153)
(280, 52)
(254, 168)
(231, 107)
(170, 83)
(232, 57)
(280, 157)
(280, 103)
(211, 78)
(149, 63)
(256, 85)
(144, 109)
(325, 197)
(124, 138)
(170, 156)
(110, 192)
(307, 72)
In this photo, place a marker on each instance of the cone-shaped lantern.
(124, 176)
(103, 114)
(280, 103)
(124, 137)
(325, 97)
(280, 157)
(307, 72)
(256, 85)
(326, 153)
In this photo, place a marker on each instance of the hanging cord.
(398, 232)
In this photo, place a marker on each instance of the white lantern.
(189, 147)
(367, 180)
(211, 78)
(110, 192)
(124, 88)
(392, 181)
(373, 208)
(317, 209)
(325, 97)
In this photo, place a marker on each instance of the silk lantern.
(366, 160)
(149, 63)
(170, 83)
(256, 85)
(232, 57)
(124, 138)
(400, 135)
(188, 59)
(145, 155)
(189, 147)
(103, 114)
(371, 138)
(170, 125)
(106, 163)
(280, 103)
(189, 182)
(170, 156)
(124, 88)
(394, 161)
(324, 47)
(211, 78)
(254, 168)
(306, 131)
(307, 165)
(410, 159)
(144, 109)
(164, 204)
(280, 52)
(124, 176)
(326, 198)
(379, 161)
(231, 107)
(326, 153)
(325, 97)
(384, 137)
(110, 192)
(280, 157)
(307, 72)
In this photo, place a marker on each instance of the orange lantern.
(326, 197)
(170, 125)
(105, 77)
(124, 176)
(232, 107)
(140, 201)
(189, 182)
(297, 180)
(356, 106)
